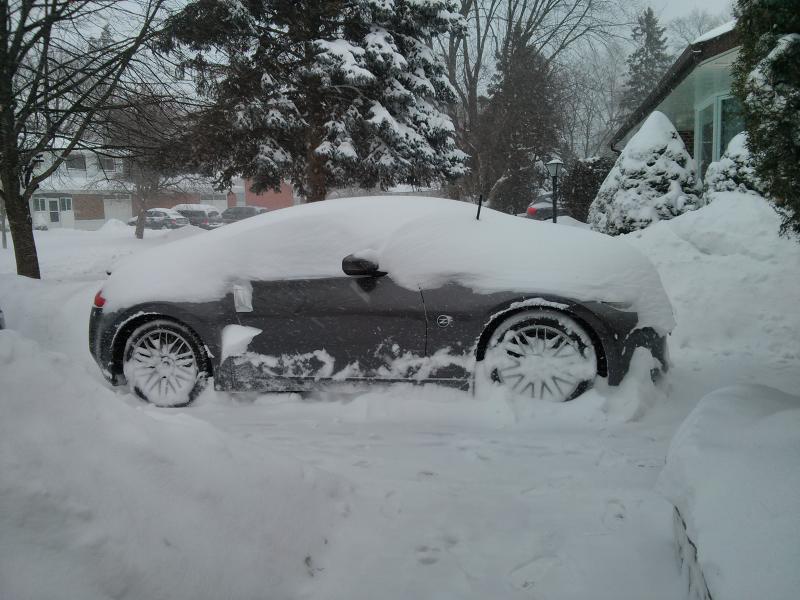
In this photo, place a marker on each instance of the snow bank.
(101, 498)
(732, 280)
(113, 224)
(732, 472)
(420, 241)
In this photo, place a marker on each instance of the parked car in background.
(2, 320)
(161, 218)
(237, 213)
(201, 215)
(543, 211)
(351, 295)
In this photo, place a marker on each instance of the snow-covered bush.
(652, 180)
(734, 171)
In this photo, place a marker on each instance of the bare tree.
(59, 68)
(493, 30)
(592, 104)
(682, 31)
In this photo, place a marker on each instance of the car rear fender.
(205, 319)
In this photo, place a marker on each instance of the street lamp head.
(554, 167)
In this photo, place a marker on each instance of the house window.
(718, 120)
(65, 204)
(107, 164)
(76, 162)
(705, 139)
(39, 204)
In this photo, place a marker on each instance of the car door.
(348, 328)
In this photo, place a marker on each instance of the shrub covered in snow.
(734, 171)
(652, 180)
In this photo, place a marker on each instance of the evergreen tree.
(582, 182)
(648, 62)
(767, 83)
(734, 171)
(519, 129)
(652, 180)
(322, 92)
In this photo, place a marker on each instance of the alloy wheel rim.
(163, 366)
(540, 361)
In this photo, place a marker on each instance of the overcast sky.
(669, 9)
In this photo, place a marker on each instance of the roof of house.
(718, 40)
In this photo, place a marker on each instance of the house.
(87, 190)
(695, 93)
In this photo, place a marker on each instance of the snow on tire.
(540, 354)
(164, 363)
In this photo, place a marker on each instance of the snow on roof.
(716, 32)
(420, 241)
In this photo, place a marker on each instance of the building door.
(54, 215)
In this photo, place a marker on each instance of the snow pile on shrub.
(652, 180)
(734, 171)
(732, 472)
(732, 281)
(103, 499)
(421, 242)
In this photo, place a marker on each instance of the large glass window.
(731, 121)
(76, 161)
(705, 124)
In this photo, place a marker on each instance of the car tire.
(165, 363)
(541, 354)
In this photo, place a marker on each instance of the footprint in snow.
(427, 555)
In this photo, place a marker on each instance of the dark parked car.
(2, 320)
(161, 218)
(237, 213)
(379, 289)
(204, 216)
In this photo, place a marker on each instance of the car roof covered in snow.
(420, 241)
(203, 207)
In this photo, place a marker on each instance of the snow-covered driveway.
(395, 492)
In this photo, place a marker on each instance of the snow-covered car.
(379, 289)
(204, 216)
(161, 218)
(237, 213)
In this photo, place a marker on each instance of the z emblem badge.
(444, 320)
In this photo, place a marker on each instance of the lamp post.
(554, 167)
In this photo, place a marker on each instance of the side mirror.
(358, 266)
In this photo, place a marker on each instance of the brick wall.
(270, 198)
(688, 140)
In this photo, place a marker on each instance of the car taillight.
(531, 211)
(205, 221)
(99, 301)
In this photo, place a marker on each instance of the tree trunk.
(19, 220)
(141, 214)
(316, 177)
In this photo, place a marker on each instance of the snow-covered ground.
(389, 492)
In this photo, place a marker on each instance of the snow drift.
(732, 472)
(123, 501)
(421, 242)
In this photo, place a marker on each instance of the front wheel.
(542, 354)
(164, 363)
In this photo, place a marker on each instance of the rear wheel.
(164, 363)
(542, 354)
